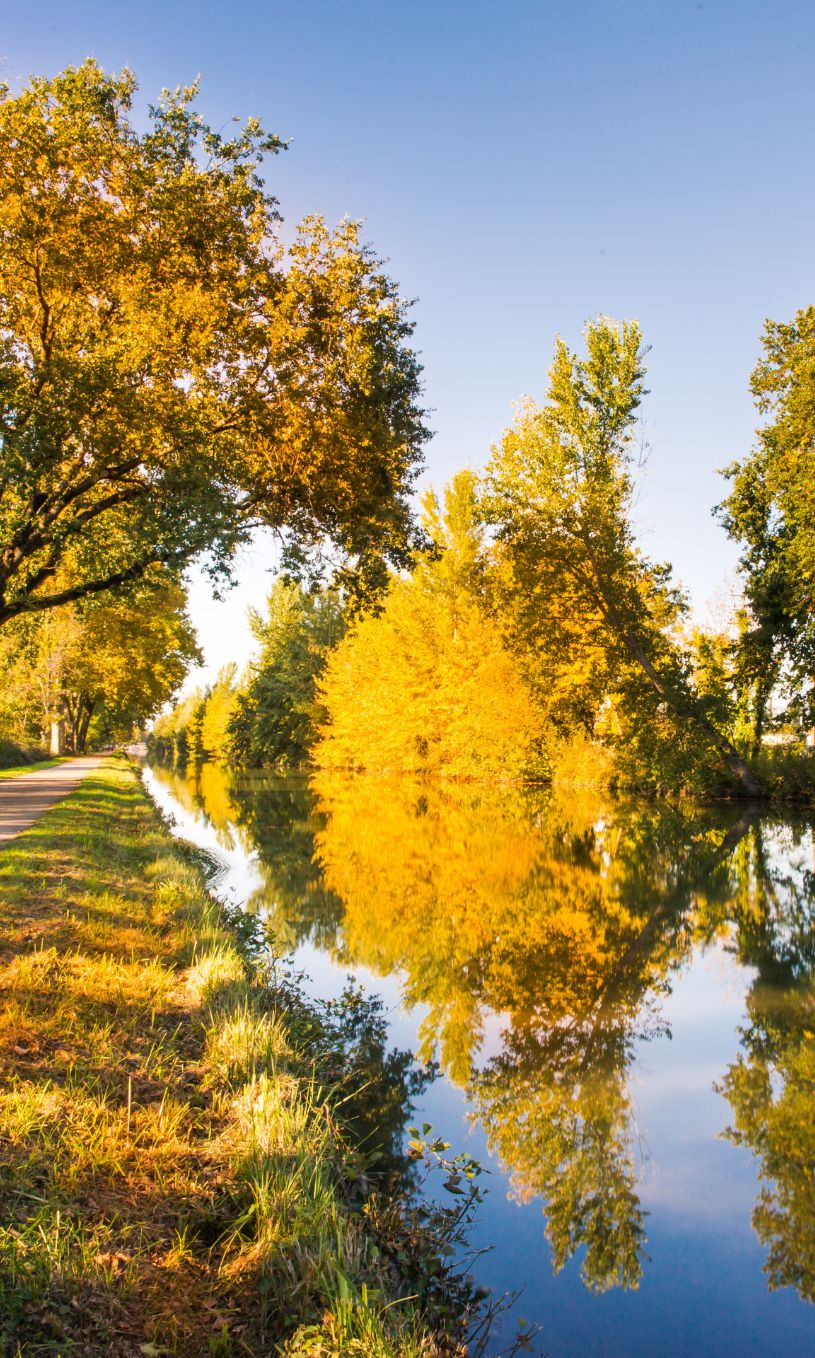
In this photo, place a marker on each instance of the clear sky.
(523, 166)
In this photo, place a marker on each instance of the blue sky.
(523, 166)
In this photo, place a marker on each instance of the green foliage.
(600, 618)
(169, 376)
(427, 684)
(277, 711)
(13, 755)
(788, 772)
(102, 665)
(268, 717)
(770, 511)
(176, 735)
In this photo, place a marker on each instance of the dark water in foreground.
(622, 1000)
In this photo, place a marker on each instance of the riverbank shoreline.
(788, 778)
(176, 1168)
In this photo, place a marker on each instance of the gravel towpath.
(23, 799)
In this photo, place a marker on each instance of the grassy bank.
(15, 770)
(180, 1164)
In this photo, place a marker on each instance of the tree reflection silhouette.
(771, 1086)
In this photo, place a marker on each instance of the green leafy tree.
(169, 378)
(276, 711)
(770, 511)
(176, 734)
(771, 1086)
(103, 664)
(602, 618)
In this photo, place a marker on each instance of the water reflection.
(771, 1086)
(570, 920)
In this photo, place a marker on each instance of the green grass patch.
(175, 1173)
(17, 769)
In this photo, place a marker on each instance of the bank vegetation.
(193, 1159)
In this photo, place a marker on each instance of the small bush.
(788, 772)
(14, 755)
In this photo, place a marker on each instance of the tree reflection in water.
(771, 1086)
(568, 919)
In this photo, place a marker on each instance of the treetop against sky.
(524, 167)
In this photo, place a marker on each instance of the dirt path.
(24, 799)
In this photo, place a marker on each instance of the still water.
(621, 1000)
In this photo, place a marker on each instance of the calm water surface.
(622, 1002)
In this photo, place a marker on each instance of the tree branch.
(39, 603)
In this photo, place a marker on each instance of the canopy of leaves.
(428, 684)
(276, 713)
(771, 511)
(111, 660)
(168, 379)
(601, 619)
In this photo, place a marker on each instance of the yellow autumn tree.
(102, 666)
(219, 706)
(427, 685)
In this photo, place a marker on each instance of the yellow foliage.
(479, 893)
(428, 685)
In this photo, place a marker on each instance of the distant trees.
(102, 664)
(267, 717)
(424, 684)
(532, 626)
(176, 735)
(533, 636)
(217, 711)
(169, 378)
(277, 710)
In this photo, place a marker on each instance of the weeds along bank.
(186, 1158)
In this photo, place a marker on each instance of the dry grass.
(171, 1170)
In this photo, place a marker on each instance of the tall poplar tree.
(559, 493)
(770, 512)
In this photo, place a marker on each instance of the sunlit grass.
(171, 1167)
(16, 769)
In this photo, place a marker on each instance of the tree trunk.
(58, 736)
(85, 713)
(70, 703)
